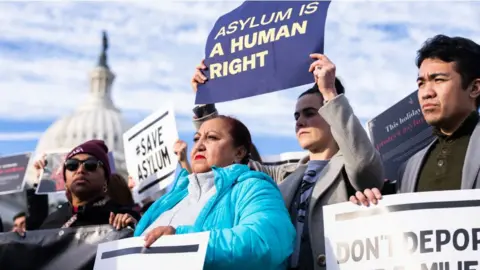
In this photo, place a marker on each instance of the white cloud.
(19, 136)
(155, 45)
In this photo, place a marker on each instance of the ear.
(475, 90)
(240, 153)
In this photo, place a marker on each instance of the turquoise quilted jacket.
(249, 225)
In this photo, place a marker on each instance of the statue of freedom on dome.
(102, 61)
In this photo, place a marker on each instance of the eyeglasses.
(90, 165)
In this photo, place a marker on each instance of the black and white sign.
(12, 172)
(414, 231)
(149, 151)
(398, 133)
(170, 252)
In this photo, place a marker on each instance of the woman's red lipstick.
(199, 157)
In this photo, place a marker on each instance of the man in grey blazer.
(449, 94)
(341, 162)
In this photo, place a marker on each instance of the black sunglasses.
(90, 165)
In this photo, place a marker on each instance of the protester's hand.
(120, 221)
(180, 149)
(131, 182)
(198, 76)
(324, 72)
(156, 233)
(366, 197)
(39, 164)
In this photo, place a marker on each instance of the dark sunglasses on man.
(90, 165)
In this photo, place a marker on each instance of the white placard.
(149, 151)
(415, 231)
(284, 158)
(184, 251)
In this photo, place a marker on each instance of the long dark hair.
(118, 190)
(254, 154)
(240, 134)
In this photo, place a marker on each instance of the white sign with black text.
(415, 231)
(171, 252)
(149, 151)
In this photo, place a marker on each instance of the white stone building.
(95, 118)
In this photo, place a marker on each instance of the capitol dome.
(95, 118)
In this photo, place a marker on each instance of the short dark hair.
(314, 90)
(240, 134)
(19, 215)
(464, 52)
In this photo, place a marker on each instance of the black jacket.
(93, 213)
(37, 209)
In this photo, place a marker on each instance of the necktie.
(306, 187)
(308, 182)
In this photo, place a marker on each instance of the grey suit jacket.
(356, 164)
(470, 176)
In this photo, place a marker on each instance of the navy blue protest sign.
(261, 47)
(400, 132)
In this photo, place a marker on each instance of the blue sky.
(47, 50)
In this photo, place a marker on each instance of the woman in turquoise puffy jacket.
(250, 228)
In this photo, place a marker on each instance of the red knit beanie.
(96, 148)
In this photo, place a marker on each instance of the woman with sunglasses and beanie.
(243, 210)
(86, 173)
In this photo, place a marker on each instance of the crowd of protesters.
(271, 217)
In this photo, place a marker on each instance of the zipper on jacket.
(212, 203)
